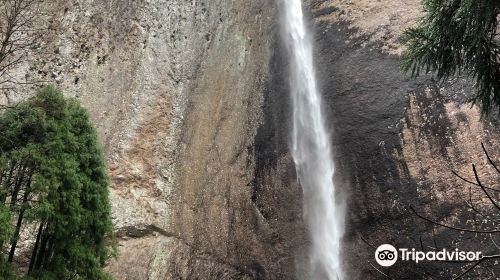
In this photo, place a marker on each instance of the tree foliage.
(52, 174)
(458, 36)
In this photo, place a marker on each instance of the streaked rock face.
(397, 140)
(190, 99)
(176, 91)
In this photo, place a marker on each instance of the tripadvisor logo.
(387, 255)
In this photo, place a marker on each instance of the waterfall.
(311, 150)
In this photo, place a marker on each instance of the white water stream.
(311, 151)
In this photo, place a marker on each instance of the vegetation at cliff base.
(458, 36)
(54, 189)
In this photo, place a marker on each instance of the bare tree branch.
(451, 227)
(366, 241)
(380, 271)
(493, 241)
(470, 204)
(483, 258)
(19, 34)
(471, 182)
(489, 159)
(483, 188)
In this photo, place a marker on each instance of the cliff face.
(190, 99)
(176, 91)
(397, 140)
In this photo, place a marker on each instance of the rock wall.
(397, 141)
(176, 90)
(190, 99)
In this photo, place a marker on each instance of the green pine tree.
(54, 175)
(458, 36)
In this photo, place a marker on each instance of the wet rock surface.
(396, 141)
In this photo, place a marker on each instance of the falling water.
(311, 150)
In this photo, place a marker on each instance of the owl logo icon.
(386, 255)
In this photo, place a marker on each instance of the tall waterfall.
(311, 150)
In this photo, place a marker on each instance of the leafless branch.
(483, 258)
(366, 241)
(470, 204)
(380, 271)
(19, 34)
(451, 227)
(483, 188)
(489, 158)
(493, 241)
(471, 182)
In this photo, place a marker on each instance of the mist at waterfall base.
(311, 150)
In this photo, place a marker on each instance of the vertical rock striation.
(180, 94)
